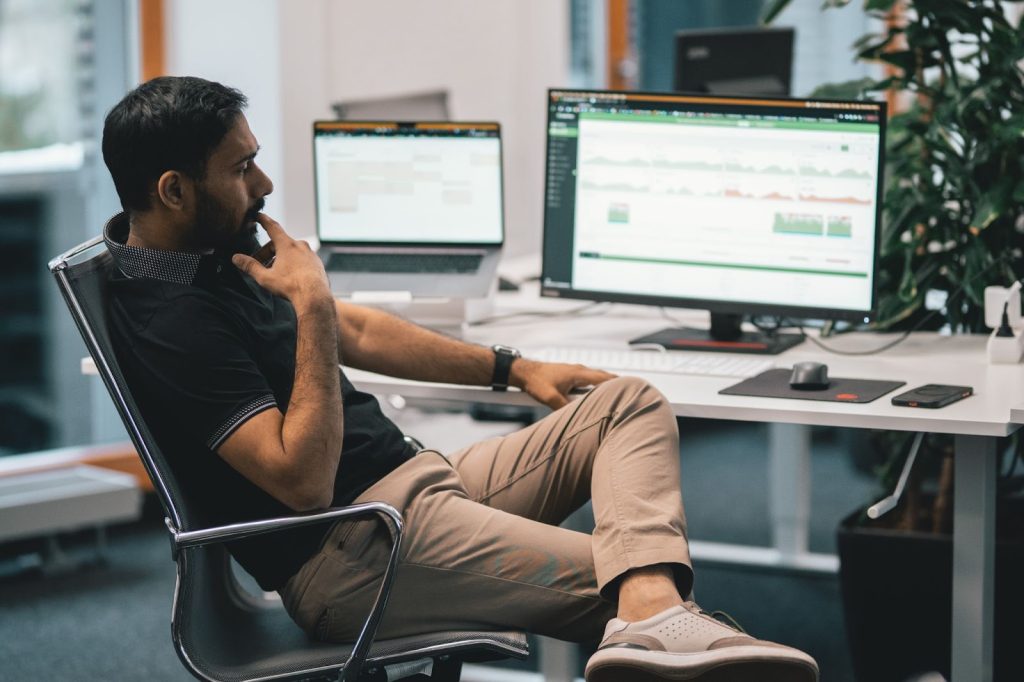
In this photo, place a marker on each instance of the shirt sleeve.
(202, 374)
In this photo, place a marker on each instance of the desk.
(923, 358)
(1017, 415)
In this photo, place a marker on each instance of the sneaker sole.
(724, 665)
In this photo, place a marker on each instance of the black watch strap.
(503, 358)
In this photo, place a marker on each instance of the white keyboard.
(675, 362)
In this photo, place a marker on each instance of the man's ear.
(173, 190)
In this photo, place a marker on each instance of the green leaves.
(955, 159)
(994, 203)
(772, 9)
(878, 5)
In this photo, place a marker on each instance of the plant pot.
(897, 599)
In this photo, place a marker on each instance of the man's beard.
(216, 223)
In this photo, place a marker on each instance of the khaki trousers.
(482, 548)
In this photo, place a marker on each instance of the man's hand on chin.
(551, 383)
(297, 273)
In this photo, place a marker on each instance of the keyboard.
(443, 263)
(675, 362)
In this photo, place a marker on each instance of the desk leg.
(789, 477)
(557, 660)
(974, 532)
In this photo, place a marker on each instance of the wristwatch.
(503, 357)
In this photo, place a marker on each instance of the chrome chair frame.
(363, 660)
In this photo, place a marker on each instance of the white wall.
(495, 57)
(236, 42)
(824, 38)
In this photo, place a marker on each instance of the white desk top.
(923, 358)
(1017, 415)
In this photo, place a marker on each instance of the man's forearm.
(376, 341)
(382, 343)
(313, 424)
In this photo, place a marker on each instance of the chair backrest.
(219, 633)
(82, 275)
(216, 634)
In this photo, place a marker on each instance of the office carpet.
(112, 621)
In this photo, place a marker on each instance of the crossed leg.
(483, 548)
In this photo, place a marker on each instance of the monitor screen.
(387, 182)
(735, 205)
(734, 61)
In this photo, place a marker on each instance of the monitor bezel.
(716, 305)
(783, 34)
(326, 124)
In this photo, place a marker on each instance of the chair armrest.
(236, 531)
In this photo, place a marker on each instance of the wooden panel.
(620, 47)
(897, 102)
(116, 456)
(151, 37)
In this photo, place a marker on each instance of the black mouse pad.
(774, 383)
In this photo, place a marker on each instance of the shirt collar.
(180, 267)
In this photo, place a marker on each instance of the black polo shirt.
(204, 348)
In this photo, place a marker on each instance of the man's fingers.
(592, 377)
(248, 265)
(555, 400)
(547, 394)
(599, 375)
(273, 228)
(265, 254)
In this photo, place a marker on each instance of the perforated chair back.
(220, 631)
(82, 275)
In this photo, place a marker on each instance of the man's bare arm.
(376, 341)
(294, 456)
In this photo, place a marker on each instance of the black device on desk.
(738, 205)
(932, 396)
(809, 376)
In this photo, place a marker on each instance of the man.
(234, 361)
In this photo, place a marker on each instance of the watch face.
(506, 350)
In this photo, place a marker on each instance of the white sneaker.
(685, 643)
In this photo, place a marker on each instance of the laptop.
(409, 210)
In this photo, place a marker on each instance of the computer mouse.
(809, 376)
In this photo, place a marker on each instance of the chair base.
(439, 669)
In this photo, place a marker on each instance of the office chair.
(221, 631)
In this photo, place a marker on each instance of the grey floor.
(111, 621)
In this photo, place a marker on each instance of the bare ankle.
(645, 592)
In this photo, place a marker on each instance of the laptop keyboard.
(443, 263)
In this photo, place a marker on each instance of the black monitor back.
(735, 61)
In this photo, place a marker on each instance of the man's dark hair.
(168, 123)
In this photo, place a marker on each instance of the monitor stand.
(725, 336)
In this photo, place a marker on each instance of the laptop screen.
(408, 183)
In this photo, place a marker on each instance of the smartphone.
(932, 395)
(265, 254)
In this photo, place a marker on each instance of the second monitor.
(735, 61)
(741, 206)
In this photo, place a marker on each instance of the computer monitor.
(735, 61)
(737, 205)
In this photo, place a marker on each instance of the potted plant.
(953, 223)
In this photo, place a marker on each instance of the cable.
(884, 347)
(1006, 472)
(903, 337)
(838, 351)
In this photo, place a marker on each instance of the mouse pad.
(774, 383)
